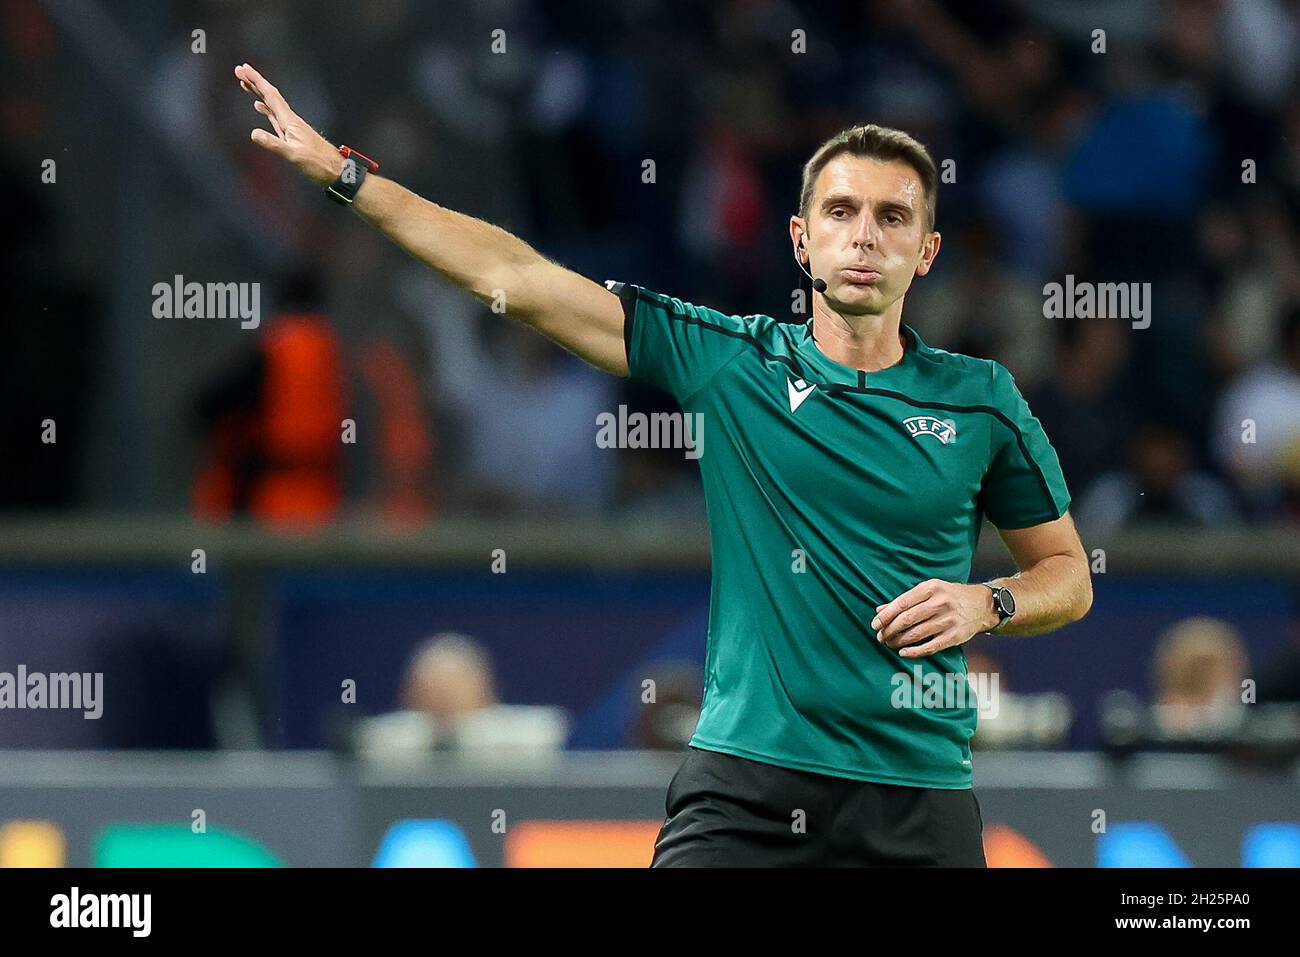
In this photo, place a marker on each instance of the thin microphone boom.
(817, 284)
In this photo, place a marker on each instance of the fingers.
(273, 143)
(885, 614)
(263, 88)
(244, 83)
(916, 623)
(936, 644)
(269, 105)
(266, 111)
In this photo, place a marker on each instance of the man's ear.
(929, 250)
(798, 237)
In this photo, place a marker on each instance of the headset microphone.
(817, 284)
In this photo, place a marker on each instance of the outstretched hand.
(293, 138)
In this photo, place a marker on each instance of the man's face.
(866, 232)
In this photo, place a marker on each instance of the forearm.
(1052, 592)
(483, 259)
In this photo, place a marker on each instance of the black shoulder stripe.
(627, 295)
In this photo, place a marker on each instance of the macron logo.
(799, 390)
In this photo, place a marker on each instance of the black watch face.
(1007, 601)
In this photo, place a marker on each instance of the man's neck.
(869, 343)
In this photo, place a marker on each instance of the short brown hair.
(876, 142)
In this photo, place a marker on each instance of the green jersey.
(830, 491)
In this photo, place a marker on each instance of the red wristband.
(348, 151)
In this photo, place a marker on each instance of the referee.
(850, 467)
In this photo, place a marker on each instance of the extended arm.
(488, 262)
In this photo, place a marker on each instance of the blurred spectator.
(1013, 720)
(1086, 397)
(404, 491)
(1261, 48)
(1160, 486)
(1257, 428)
(668, 722)
(983, 310)
(449, 702)
(524, 411)
(1198, 669)
(448, 678)
(274, 424)
(1241, 250)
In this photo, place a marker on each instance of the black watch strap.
(1004, 603)
(355, 167)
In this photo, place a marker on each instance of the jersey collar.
(834, 372)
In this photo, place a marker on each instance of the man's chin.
(858, 299)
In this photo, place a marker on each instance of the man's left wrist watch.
(1004, 603)
(355, 167)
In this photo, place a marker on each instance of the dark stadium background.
(1172, 158)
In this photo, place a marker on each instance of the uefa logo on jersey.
(942, 429)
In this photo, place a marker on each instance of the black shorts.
(725, 811)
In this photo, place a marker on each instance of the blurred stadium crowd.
(1128, 165)
(658, 142)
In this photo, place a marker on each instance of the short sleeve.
(1024, 484)
(675, 345)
